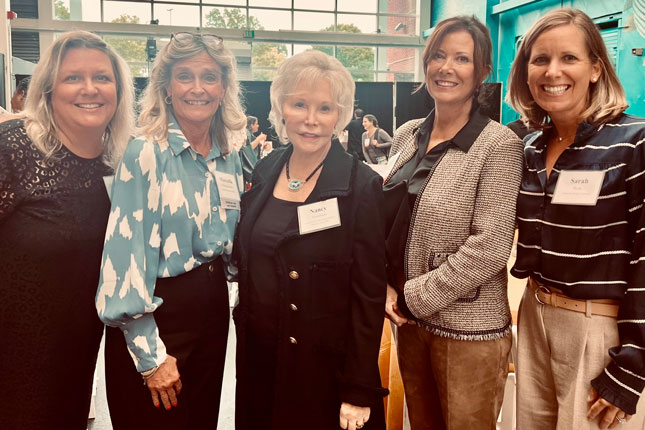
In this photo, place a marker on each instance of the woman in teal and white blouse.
(175, 205)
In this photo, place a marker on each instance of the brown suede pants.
(452, 384)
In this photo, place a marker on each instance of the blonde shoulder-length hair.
(606, 98)
(38, 114)
(309, 67)
(155, 112)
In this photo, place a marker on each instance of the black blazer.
(335, 279)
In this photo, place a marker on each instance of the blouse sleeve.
(125, 296)
(383, 140)
(623, 380)
(8, 197)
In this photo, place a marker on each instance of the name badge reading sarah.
(578, 187)
(318, 216)
(229, 194)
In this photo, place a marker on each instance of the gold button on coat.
(293, 340)
(211, 268)
(293, 307)
(294, 275)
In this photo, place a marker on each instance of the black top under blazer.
(336, 279)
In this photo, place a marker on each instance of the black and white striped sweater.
(593, 252)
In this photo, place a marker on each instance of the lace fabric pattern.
(53, 215)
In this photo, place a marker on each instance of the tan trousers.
(452, 384)
(559, 353)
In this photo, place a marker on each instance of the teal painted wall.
(508, 26)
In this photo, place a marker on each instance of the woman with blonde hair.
(53, 213)
(312, 265)
(175, 206)
(581, 330)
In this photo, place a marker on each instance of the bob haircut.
(309, 67)
(155, 112)
(39, 119)
(606, 97)
(250, 121)
(481, 37)
(371, 118)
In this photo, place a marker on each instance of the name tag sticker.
(578, 187)
(318, 216)
(229, 194)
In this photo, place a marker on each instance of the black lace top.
(53, 215)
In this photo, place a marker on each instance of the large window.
(366, 63)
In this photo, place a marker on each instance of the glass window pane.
(368, 6)
(265, 59)
(226, 2)
(175, 14)
(133, 51)
(272, 19)
(271, 3)
(314, 5)
(313, 21)
(88, 10)
(398, 24)
(357, 23)
(359, 60)
(298, 48)
(400, 61)
(224, 17)
(114, 10)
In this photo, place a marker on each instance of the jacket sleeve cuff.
(361, 395)
(144, 344)
(614, 385)
(403, 306)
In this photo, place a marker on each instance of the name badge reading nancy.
(229, 194)
(578, 187)
(318, 216)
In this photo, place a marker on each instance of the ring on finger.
(621, 420)
(359, 426)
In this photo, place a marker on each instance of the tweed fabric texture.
(461, 234)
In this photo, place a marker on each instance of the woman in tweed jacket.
(451, 220)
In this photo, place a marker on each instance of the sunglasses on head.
(184, 38)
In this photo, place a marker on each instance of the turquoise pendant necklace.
(295, 184)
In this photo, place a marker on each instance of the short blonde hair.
(155, 113)
(606, 96)
(39, 119)
(309, 67)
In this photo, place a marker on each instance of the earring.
(594, 79)
(168, 99)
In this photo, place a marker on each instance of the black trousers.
(193, 323)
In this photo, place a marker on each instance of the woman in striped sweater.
(581, 244)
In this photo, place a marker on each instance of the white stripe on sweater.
(574, 227)
(625, 386)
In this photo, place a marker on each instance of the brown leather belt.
(547, 295)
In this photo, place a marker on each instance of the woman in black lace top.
(53, 213)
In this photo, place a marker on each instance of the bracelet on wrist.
(147, 374)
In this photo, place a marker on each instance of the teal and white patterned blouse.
(166, 219)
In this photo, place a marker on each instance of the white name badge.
(229, 194)
(578, 187)
(367, 142)
(318, 216)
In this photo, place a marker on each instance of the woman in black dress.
(309, 322)
(53, 213)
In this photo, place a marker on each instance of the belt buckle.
(543, 288)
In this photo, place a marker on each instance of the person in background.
(581, 329)
(252, 150)
(451, 216)
(312, 289)
(20, 94)
(175, 206)
(355, 131)
(376, 142)
(54, 209)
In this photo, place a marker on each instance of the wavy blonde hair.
(38, 114)
(606, 96)
(154, 117)
(309, 67)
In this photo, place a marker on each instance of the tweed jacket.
(461, 233)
